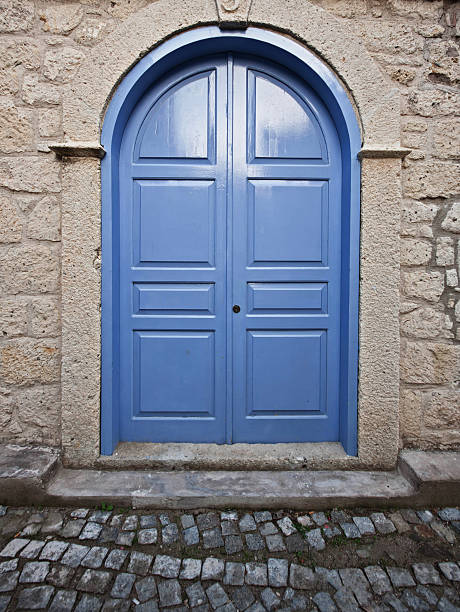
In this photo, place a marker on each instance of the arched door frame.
(186, 46)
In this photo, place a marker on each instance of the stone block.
(24, 52)
(441, 409)
(10, 221)
(426, 322)
(447, 138)
(432, 102)
(389, 37)
(32, 174)
(16, 15)
(418, 212)
(45, 317)
(61, 18)
(415, 252)
(421, 284)
(49, 122)
(410, 414)
(418, 8)
(29, 269)
(37, 92)
(16, 128)
(445, 255)
(443, 60)
(429, 363)
(431, 179)
(451, 222)
(13, 318)
(60, 65)
(26, 361)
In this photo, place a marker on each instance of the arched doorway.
(231, 247)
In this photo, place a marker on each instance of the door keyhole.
(236, 308)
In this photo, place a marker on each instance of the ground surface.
(118, 559)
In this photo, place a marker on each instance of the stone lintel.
(77, 149)
(376, 152)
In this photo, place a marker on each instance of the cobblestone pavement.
(118, 559)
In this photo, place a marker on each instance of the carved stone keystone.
(233, 13)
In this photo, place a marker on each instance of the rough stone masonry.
(42, 44)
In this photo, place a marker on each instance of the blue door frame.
(309, 70)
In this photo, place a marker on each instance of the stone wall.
(42, 45)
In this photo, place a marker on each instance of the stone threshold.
(35, 476)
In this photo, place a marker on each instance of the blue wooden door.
(230, 241)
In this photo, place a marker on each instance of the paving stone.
(340, 516)
(146, 588)
(115, 559)
(400, 577)
(287, 526)
(324, 602)
(169, 592)
(131, 523)
(8, 581)
(206, 521)
(187, 520)
(63, 601)
(401, 525)
(32, 549)
(117, 520)
(425, 573)
(148, 521)
(229, 515)
(315, 539)
(125, 538)
(100, 516)
(94, 581)
(229, 528)
(295, 543)
(228, 607)
(116, 605)
(382, 523)
(234, 573)
(305, 521)
(72, 529)
(212, 538)
(345, 600)
(53, 523)
(53, 551)
(35, 598)
(13, 547)
(256, 574)
(269, 599)
(3, 510)
(90, 531)
(394, 602)
(195, 594)
(30, 530)
(191, 569)
(378, 579)
(123, 585)
(34, 571)
(444, 605)
(263, 516)
(328, 576)
(60, 576)
(355, 580)
(242, 597)
(350, 530)
(170, 534)
(364, 524)
(256, 607)
(216, 595)
(191, 536)
(301, 577)
(147, 536)
(233, 544)
(74, 555)
(425, 516)
(108, 534)
(413, 602)
(410, 516)
(4, 601)
(213, 569)
(319, 518)
(247, 523)
(443, 531)
(331, 531)
(139, 563)
(80, 513)
(166, 566)
(89, 603)
(450, 570)
(275, 543)
(452, 594)
(254, 541)
(449, 514)
(9, 566)
(427, 594)
(268, 529)
(277, 572)
(164, 519)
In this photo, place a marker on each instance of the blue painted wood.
(294, 366)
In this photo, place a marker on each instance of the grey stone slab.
(60, 576)
(275, 543)
(295, 543)
(233, 544)
(53, 523)
(450, 570)
(94, 581)
(242, 597)
(131, 523)
(410, 599)
(229, 515)
(108, 534)
(80, 513)
(305, 521)
(217, 596)
(315, 539)
(72, 528)
(234, 573)
(443, 531)
(13, 547)
(328, 576)
(340, 516)
(74, 555)
(34, 571)
(191, 569)
(147, 536)
(319, 518)
(123, 585)
(117, 520)
(378, 579)
(286, 526)
(164, 519)
(9, 566)
(139, 563)
(262, 516)
(410, 516)
(30, 530)
(247, 523)
(95, 557)
(195, 594)
(191, 536)
(427, 594)
(166, 566)
(382, 523)
(449, 514)
(301, 577)
(269, 599)
(8, 581)
(425, 516)
(256, 574)
(400, 577)
(398, 521)
(229, 528)
(187, 520)
(444, 605)
(324, 602)
(91, 531)
(125, 538)
(89, 603)
(54, 550)
(146, 589)
(394, 602)
(213, 569)
(268, 529)
(254, 541)
(148, 521)
(35, 598)
(350, 530)
(32, 550)
(63, 601)
(4, 601)
(100, 516)
(212, 538)
(169, 592)
(364, 524)
(425, 573)
(170, 534)
(345, 600)
(206, 521)
(278, 570)
(354, 579)
(116, 605)
(115, 559)
(331, 531)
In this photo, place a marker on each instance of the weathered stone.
(13, 318)
(324, 602)
(287, 526)
(400, 577)
(445, 255)
(429, 363)
(88, 603)
(254, 541)
(213, 569)
(277, 572)
(10, 221)
(34, 571)
(275, 543)
(130, 523)
(425, 573)
(33, 174)
(123, 585)
(8, 581)
(146, 588)
(147, 536)
(191, 569)
(441, 408)
(16, 15)
(191, 536)
(233, 544)
(74, 555)
(417, 8)
(421, 284)
(61, 64)
(60, 576)
(16, 128)
(378, 579)
(35, 598)
(242, 597)
(125, 538)
(443, 531)
(247, 523)
(450, 570)
(268, 529)
(256, 574)
(415, 252)
(29, 269)
(451, 222)
(315, 539)
(95, 557)
(147, 521)
(212, 538)
(45, 317)
(169, 592)
(426, 322)
(115, 559)
(432, 102)
(43, 222)
(139, 563)
(443, 60)
(364, 524)
(60, 19)
(90, 31)
(195, 594)
(94, 581)
(91, 531)
(63, 601)
(446, 138)
(431, 179)
(170, 534)
(166, 566)
(301, 577)
(389, 37)
(234, 573)
(37, 92)
(54, 550)
(350, 530)
(31, 550)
